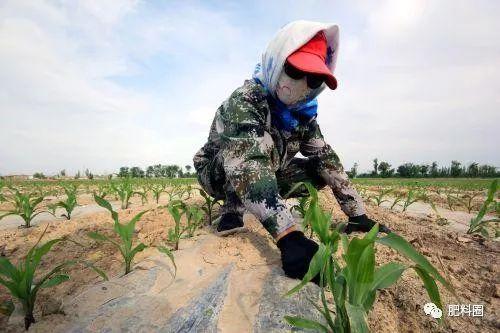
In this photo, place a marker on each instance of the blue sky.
(101, 84)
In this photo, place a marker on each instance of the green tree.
(354, 171)
(375, 167)
(124, 172)
(434, 169)
(455, 169)
(385, 169)
(136, 172)
(150, 171)
(473, 170)
(424, 169)
(39, 175)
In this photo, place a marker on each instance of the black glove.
(296, 254)
(364, 224)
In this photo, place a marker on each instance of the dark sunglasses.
(314, 81)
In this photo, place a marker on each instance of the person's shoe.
(363, 224)
(229, 223)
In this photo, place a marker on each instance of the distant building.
(17, 177)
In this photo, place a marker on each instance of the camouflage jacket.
(253, 150)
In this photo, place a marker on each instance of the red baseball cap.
(311, 58)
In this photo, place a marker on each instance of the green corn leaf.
(96, 269)
(357, 319)
(315, 266)
(169, 253)
(386, 275)
(8, 270)
(44, 249)
(7, 307)
(306, 324)
(131, 225)
(430, 286)
(361, 265)
(54, 281)
(403, 247)
(105, 204)
(12, 286)
(102, 238)
(98, 237)
(484, 232)
(139, 248)
(372, 233)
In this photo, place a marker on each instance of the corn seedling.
(103, 190)
(478, 223)
(143, 193)
(175, 233)
(20, 280)
(194, 216)
(301, 208)
(25, 205)
(427, 199)
(467, 199)
(125, 190)
(157, 190)
(125, 232)
(209, 205)
(179, 192)
(379, 197)
(451, 199)
(354, 284)
(70, 203)
(411, 197)
(398, 198)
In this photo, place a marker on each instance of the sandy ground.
(469, 263)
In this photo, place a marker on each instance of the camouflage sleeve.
(332, 171)
(249, 160)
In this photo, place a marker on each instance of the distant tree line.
(157, 171)
(410, 170)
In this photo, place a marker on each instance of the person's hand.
(364, 224)
(296, 254)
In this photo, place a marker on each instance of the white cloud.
(103, 84)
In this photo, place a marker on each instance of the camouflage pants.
(211, 177)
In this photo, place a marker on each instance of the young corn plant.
(27, 206)
(427, 199)
(379, 197)
(411, 197)
(354, 282)
(124, 190)
(209, 205)
(398, 198)
(467, 199)
(175, 233)
(125, 233)
(70, 203)
(478, 224)
(194, 217)
(179, 192)
(451, 198)
(103, 190)
(21, 282)
(301, 208)
(143, 193)
(157, 190)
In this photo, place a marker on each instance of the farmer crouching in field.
(249, 160)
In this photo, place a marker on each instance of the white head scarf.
(286, 41)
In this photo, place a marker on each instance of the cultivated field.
(444, 248)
